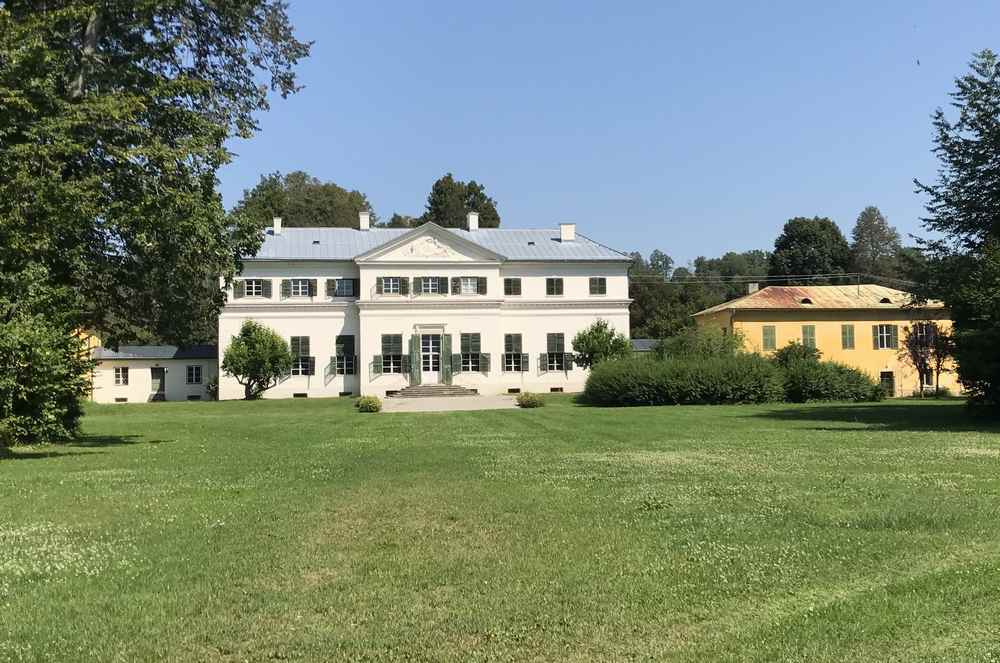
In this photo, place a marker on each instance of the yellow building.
(859, 325)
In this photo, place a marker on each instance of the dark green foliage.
(828, 381)
(368, 404)
(530, 400)
(700, 342)
(258, 357)
(794, 353)
(302, 200)
(744, 378)
(810, 246)
(450, 201)
(599, 342)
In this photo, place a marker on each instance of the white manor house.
(380, 310)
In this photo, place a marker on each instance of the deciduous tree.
(302, 200)
(258, 357)
(599, 342)
(810, 246)
(450, 201)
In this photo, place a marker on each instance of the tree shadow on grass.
(893, 416)
(61, 449)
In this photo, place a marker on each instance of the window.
(924, 332)
(344, 288)
(512, 287)
(194, 374)
(553, 286)
(555, 344)
(847, 337)
(430, 285)
(927, 379)
(121, 376)
(302, 363)
(344, 363)
(471, 348)
(885, 337)
(598, 285)
(392, 353)
(299, 287)
(469, 285)
(769, 340)
(253, 288)
(513, 360)
(809, 336)
(391, 285)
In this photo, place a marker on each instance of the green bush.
(828, 381)
(794, 353)
(741, 378)
(368, 404)
(529, 400)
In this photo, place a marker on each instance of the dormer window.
(885, 300)
(806, 300)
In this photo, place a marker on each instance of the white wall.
(140, 380)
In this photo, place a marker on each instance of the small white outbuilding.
(144, 373)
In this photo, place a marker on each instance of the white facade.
(454, 286)
(141, 380)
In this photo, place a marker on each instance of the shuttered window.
(885, 337)
(598, 285)
(392, 353)
(553, 286)
(302, 362)
(512, 287)
(300, 287)
(770, 338)
(809, 336)
(847, 337)
(344, 355)
(555, 345)
(253, 288)
(514, 361)
(470, 347)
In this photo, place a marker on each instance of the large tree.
(302, 200)
(875, 246)
(810, 246)
(963, 210)
(450, 201)
(113, 123)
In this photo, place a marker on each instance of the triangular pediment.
(432, 244)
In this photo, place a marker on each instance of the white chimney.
(473, 220)
(276, 225)
(752, 288)
(567, 232)
(364, 220)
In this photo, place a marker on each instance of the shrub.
(258, 357)
(212, 388)
(740, 378)
(828, 381)
(599, 342)
(369, 404)
(528, 400)
(794, 353)
(700, 342)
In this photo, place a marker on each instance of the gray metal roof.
(348, 243)
(158, 352)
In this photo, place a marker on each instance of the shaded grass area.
(303, 530)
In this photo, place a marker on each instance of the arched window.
(885, 300)
(806, 300)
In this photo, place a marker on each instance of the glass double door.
(430, 358)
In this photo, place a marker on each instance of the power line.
(855, 277)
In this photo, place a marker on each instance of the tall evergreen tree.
(963, 209)
(875, 245)
(810, 246)
(302, 200)
(450, 201)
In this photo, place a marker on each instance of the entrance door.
(159, 388)
(888, 381)
(430, 358)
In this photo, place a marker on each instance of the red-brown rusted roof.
(794, 298)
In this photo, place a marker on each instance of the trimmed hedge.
(828, 381)
(746, 378)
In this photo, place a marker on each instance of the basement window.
(346, 393)
(121, 400)
(194, 397)
(556, 390)
(300, 395)
(513, 390)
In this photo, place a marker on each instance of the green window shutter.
(484, 362)
(894, 337)
(266, 288)
(875, 337)
(377, 365)
(357, 287)
(311, 370)
(525, 363)
(304, 346)
(482, 285)
(414, 359)
(239, 289)
(331, 287)
(378, 285)
(847, 337)
(443, 285)
(286, 288)
(809, 336)
(568, 361)
(543, 362)
(312, 287)
(404, 285)
(456, 363)
(555, 343)
(418, 285)
(445, 352)
(456, 285)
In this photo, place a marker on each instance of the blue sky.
(696, 128)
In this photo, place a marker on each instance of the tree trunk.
(90, 37)
(247, 392)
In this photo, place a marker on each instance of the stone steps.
(432, 390)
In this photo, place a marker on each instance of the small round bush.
(828, 381)
(528, 399)
(368, 404)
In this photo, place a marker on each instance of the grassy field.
(302, 530)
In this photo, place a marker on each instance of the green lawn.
(302, 530)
